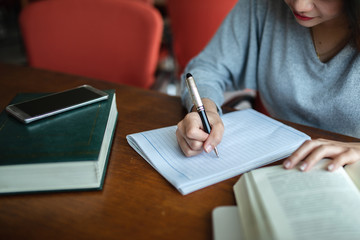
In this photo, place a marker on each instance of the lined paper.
(250, 140)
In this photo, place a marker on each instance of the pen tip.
(188, 75)
(216, 152)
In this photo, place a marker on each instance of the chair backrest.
(193, 23)
(111, 40)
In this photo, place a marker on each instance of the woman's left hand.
(312, 151)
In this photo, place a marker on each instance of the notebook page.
(250, 140)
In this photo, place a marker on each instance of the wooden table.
(136, 202)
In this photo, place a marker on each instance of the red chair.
(193, 23)
(111, 40)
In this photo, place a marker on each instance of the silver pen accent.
(195, 96)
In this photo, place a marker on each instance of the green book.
(68, 151)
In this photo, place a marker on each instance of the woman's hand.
(191, 135)
(312, 151)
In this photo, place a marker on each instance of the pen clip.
(195, 96)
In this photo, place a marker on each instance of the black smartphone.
(55, 103)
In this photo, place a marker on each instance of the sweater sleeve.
(229, 61)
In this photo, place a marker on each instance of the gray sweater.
(260, 46)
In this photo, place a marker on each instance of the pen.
(195, 96)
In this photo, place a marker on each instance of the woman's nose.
(303, 5)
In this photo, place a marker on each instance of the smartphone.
(55, 103)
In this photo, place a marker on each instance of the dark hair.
(352, 8)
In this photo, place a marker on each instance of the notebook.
(250, 140)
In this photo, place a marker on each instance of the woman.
(302, 56)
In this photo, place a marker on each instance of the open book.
(250, 140)
(274, 203)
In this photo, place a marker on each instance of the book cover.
(57, 153)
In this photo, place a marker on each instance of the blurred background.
(180, 18)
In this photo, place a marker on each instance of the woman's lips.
(301, 17)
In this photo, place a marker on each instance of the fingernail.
(331, 167)
(303, 166)
(208, 148)
(287, 164)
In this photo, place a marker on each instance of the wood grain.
(136, 202)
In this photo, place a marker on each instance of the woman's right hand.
(191, 135)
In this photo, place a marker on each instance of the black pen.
(190, 83)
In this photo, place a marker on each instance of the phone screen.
(56, 103)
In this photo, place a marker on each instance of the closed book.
(68, 151)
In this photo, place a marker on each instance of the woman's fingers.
(349, 156)
(312, 151)
(300, 154)
(320, 152)
(186, 148)
(216, 134)
(190, 136)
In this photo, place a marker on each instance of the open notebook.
(250, 140)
